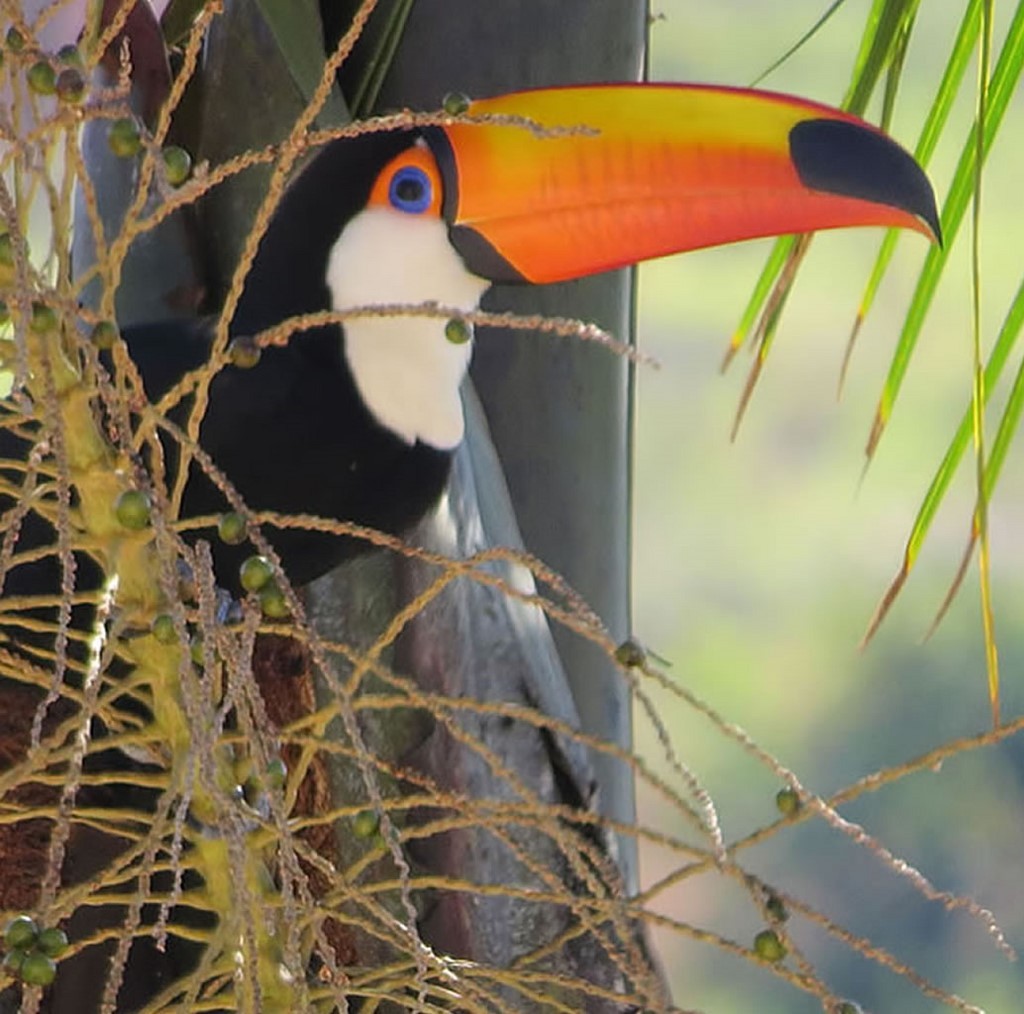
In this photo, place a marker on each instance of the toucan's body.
(360, 425)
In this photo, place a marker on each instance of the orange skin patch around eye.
(418, 156)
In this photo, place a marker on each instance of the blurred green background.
(758, 564)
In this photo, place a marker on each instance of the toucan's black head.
(288, 277)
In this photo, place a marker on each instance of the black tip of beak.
(849, 160)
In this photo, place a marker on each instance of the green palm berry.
(244, 352)
(133, 509)
(455, 103)
(787, 801)
(124, 138)
(196, 649)
(365, 824)
(7, 246)
(630, 654)
(232, 528)
(70, 86)
(13, 960)
(272, 602)
(457, 331)
(44, 318)
(276, 774)
(163, 629)
(53, 942)
(70, 55)
(15, 40)
(177, 164)
(5, 313)
(42, 78)
(255, 573)
(21, 933)
(768, 946)
(849, 1007)
(38, 969)
(104, 334)
(775, 907)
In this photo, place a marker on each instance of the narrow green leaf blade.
(958, 446)
(177, 19)
(894, 71)
(1010, 421)
(364, 99)
(800, 43)
(295, 25)
(935, 122)
(891, 21)
(867, 43)
(887, 19)
(762, 289)
(1004, 81)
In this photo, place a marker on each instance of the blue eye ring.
(410, 190)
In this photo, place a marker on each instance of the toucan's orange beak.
(615, 174)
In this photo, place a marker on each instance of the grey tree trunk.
(559, 416)
(559, 411)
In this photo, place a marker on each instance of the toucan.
(359, 422)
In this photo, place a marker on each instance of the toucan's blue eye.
(410, 190)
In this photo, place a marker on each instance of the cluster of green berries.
(60, 74)
(44, 318)
(31, 952)
(257, 575)
(63, 75)
(134, 509)
(165, 630)
(768, 945)
(125, 140)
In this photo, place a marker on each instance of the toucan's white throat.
(407, 372)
